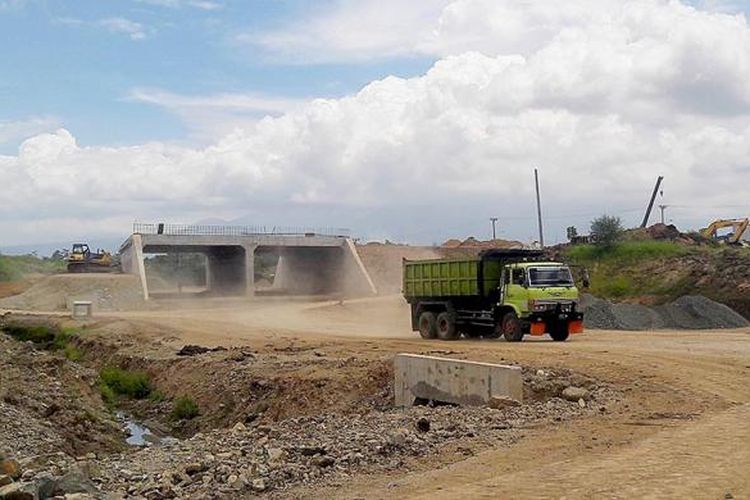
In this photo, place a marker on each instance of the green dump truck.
(501, 292)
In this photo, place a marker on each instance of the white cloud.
(211, 117)
(136, 31)
(13, 131)
(603, 99)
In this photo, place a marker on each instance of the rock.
(582, 403)
(234, 481)
(10, 467)
(572, 393)
(275, 454)
(259, 484)
(5, 479)
(423, 425)
(192, 350)
(194, 468)
(46, 485)
(319, 354)
(500, 402)
(18, 491)
(309, 451)
(323, 461)
(78, 496)
(239, 427)
(75, 481)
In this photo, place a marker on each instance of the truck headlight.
(540, 306)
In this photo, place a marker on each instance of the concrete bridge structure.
(309, 262)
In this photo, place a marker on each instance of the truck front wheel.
(446, 327)
(511, 326)
(427, 325)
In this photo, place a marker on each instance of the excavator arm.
(739, 227)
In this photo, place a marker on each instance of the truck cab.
(542, 296)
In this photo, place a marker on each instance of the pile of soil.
(383, 262)
(56, 293)
(690, 312)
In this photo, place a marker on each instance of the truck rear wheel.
(511, 327)
(427, 325)
(446, 327)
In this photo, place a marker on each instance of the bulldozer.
(82, 260)
(738, 226)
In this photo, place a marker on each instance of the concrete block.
(456, 381)
(82, 309)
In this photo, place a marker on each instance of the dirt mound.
(383, 262)
(691, 312)
(55, 293)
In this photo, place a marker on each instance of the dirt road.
(681, 431)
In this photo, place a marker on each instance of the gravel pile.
(691, 312)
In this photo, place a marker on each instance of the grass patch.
(157, 396)
(47, 337)
(108, 394)
(626, 252)
(185, 408)
(14, 267)
(72, 353)
(133, 384)
(40, 334)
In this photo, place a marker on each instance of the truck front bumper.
(540, 323)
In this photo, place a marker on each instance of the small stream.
(138, 433)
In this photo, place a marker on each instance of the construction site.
(229, 362)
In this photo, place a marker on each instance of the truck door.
(516, 293)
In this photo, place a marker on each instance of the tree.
(606, 231)
(572, 233)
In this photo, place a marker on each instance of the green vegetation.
(606, 231)
(38, 334)
(626, 268)
(14, 267)
(47, 337)
(72, 353)
(156, 396)
(133, 384)
(107, 393)
(626, 252)
(184, 408)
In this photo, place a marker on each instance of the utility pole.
(539, 209)
(494, 235)
(662, 207)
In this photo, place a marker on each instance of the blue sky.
(72, 62)
(434, 114)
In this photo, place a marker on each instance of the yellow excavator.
(82, 260)
(734, 237)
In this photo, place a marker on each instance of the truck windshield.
(550, 276)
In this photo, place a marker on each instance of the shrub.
(606, 231)
(36, 334)
(135, 384)
(72, 353)
(184, 408)
(108, 395)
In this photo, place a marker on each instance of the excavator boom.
(739, 228)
